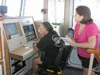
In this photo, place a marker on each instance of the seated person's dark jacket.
(50, 45)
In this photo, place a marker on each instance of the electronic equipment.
(20, 34)
(12, 30)
(13, 33)
(70, 33)
(29, 30)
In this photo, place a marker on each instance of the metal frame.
(45, 5)
(72, 11)
(21, 7)
(1, 49)
(67, 15)
(2, 2)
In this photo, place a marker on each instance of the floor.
(67, 71)
(72, 71)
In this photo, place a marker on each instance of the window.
(56, 11)
(0, 2)
(13, 7)
(33, 8)
(94, 6)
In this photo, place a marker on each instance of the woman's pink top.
(88, 31)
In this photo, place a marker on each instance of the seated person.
(48, 45)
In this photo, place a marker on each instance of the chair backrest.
(64, 53)
(58, 58)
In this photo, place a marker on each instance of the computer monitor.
(13, 33)
(28, 28)
(31, 28)
(12, 29)
(29, 32)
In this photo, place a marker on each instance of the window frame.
(20, 9)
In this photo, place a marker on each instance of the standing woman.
(85, 36)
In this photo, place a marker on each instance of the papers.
(65, 40)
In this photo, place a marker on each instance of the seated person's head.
(45, 28)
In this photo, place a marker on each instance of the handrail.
(97, 52)
(93, 51)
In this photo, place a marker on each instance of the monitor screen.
(28, 28)
(31, 29)
(12, 29)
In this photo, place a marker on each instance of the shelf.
(22, 53)
(18, 67)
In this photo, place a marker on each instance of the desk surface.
(22, 53)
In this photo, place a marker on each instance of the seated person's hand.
(37, 40)
(35, 45)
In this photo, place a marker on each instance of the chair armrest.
(92, 51)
